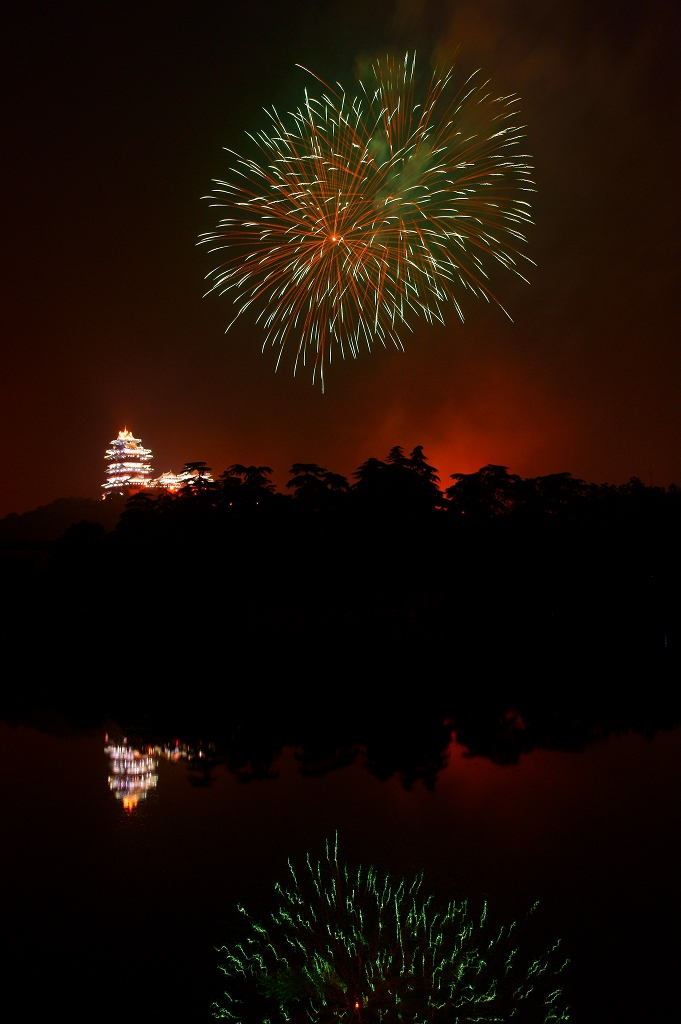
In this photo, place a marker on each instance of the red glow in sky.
(115, 121)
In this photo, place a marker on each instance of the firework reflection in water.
(357, 946)
(362, 213)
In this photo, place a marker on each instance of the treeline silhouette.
(417, 746)
(334, 576)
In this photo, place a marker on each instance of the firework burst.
(357, 947)
(363, 213)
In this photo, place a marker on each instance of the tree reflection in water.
(412, 745)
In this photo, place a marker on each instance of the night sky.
(114, 119)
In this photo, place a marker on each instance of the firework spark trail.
(367, 212)
(357, 947)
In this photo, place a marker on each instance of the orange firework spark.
(369, 211)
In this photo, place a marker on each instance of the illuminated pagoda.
(133, 774)
(129, 465)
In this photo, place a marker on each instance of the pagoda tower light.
(133, 773)
(168, 482)
(128, 465)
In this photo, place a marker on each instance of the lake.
(112, 913)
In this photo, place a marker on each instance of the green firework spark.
(354, 946)
(363, 213)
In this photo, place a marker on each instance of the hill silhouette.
(49, 522)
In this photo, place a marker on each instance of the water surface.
(112, 913)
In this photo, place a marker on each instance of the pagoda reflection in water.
(132, 773)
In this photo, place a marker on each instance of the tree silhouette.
(402, 484)
(315, 487)
(247, 486)
(396, 457)
(200, 470)
(140, 512)
(487, 494)
(427, 489)
(419, 465)
(557, 494)
(198, 484)
(368, 474)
